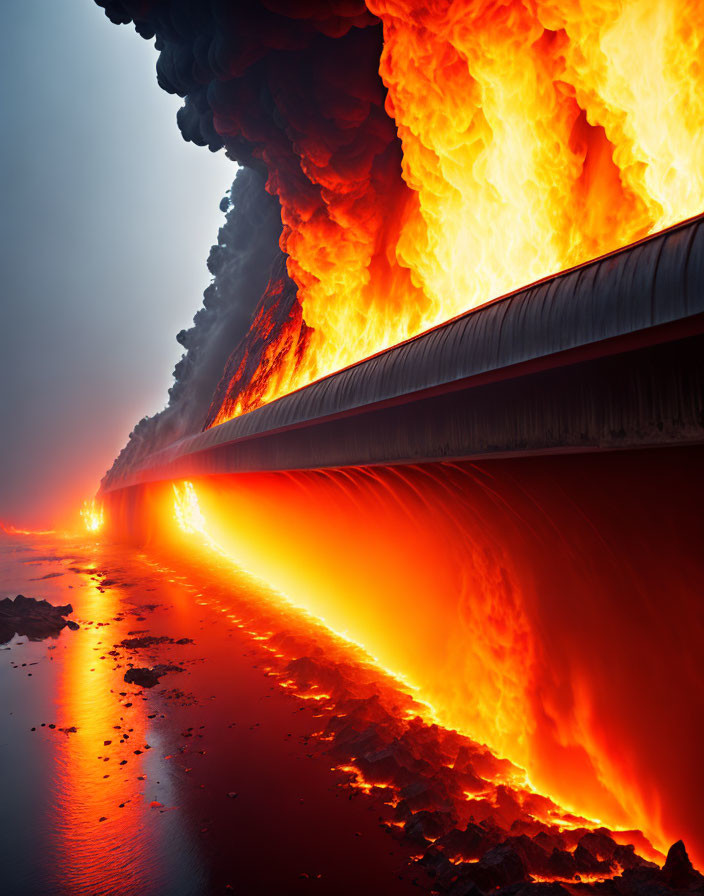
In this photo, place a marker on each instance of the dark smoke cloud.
(241, 263)
(292, 91)
(261, 77)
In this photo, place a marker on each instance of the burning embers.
(270, 357)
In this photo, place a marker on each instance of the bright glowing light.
(187, 509)
(191, 520)
(92, 515)
(9, 529)
(434, 538)
(535, 136)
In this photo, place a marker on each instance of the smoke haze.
(240, 263)
(106, 223)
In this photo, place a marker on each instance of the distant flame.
(9, 529)
(92, 515)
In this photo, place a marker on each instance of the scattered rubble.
(150, 641)
(464, 814)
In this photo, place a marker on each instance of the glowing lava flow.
(191, 520)
(299, 678)
(534, 137)
(187, 509)
(519, 597)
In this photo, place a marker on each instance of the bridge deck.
(607, 355)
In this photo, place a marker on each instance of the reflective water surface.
(205, 783)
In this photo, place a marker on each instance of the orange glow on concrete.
(544, 607)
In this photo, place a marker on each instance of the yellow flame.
(187, 510)
(535, 136)
(92, 515)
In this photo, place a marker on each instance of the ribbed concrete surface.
(603, 356)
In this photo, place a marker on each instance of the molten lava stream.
(546, 607)
(100, 834)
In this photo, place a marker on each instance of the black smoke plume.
(291, 90)
(241, 262)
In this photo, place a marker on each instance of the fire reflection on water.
(106, 841)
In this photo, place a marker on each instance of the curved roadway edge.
(604, 356)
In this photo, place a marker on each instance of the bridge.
(570, 521)
(604, 356)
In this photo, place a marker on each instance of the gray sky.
(106, 220)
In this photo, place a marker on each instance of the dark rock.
(35, 619)
(463, 886)
(586, 863)
(437, 864)
(534, 857)
(499, 867)
(599, 844)
(562, 864)
(627, 858)
(678, 871)
(424, 825)
(543, 888)
(642, 882)
(150, 641)
(549, 841)
(145, 641)
(471, 843)
(148, 677)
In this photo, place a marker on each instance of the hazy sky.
(106, 220)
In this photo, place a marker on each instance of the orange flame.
(535, 136)
(92, 515)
